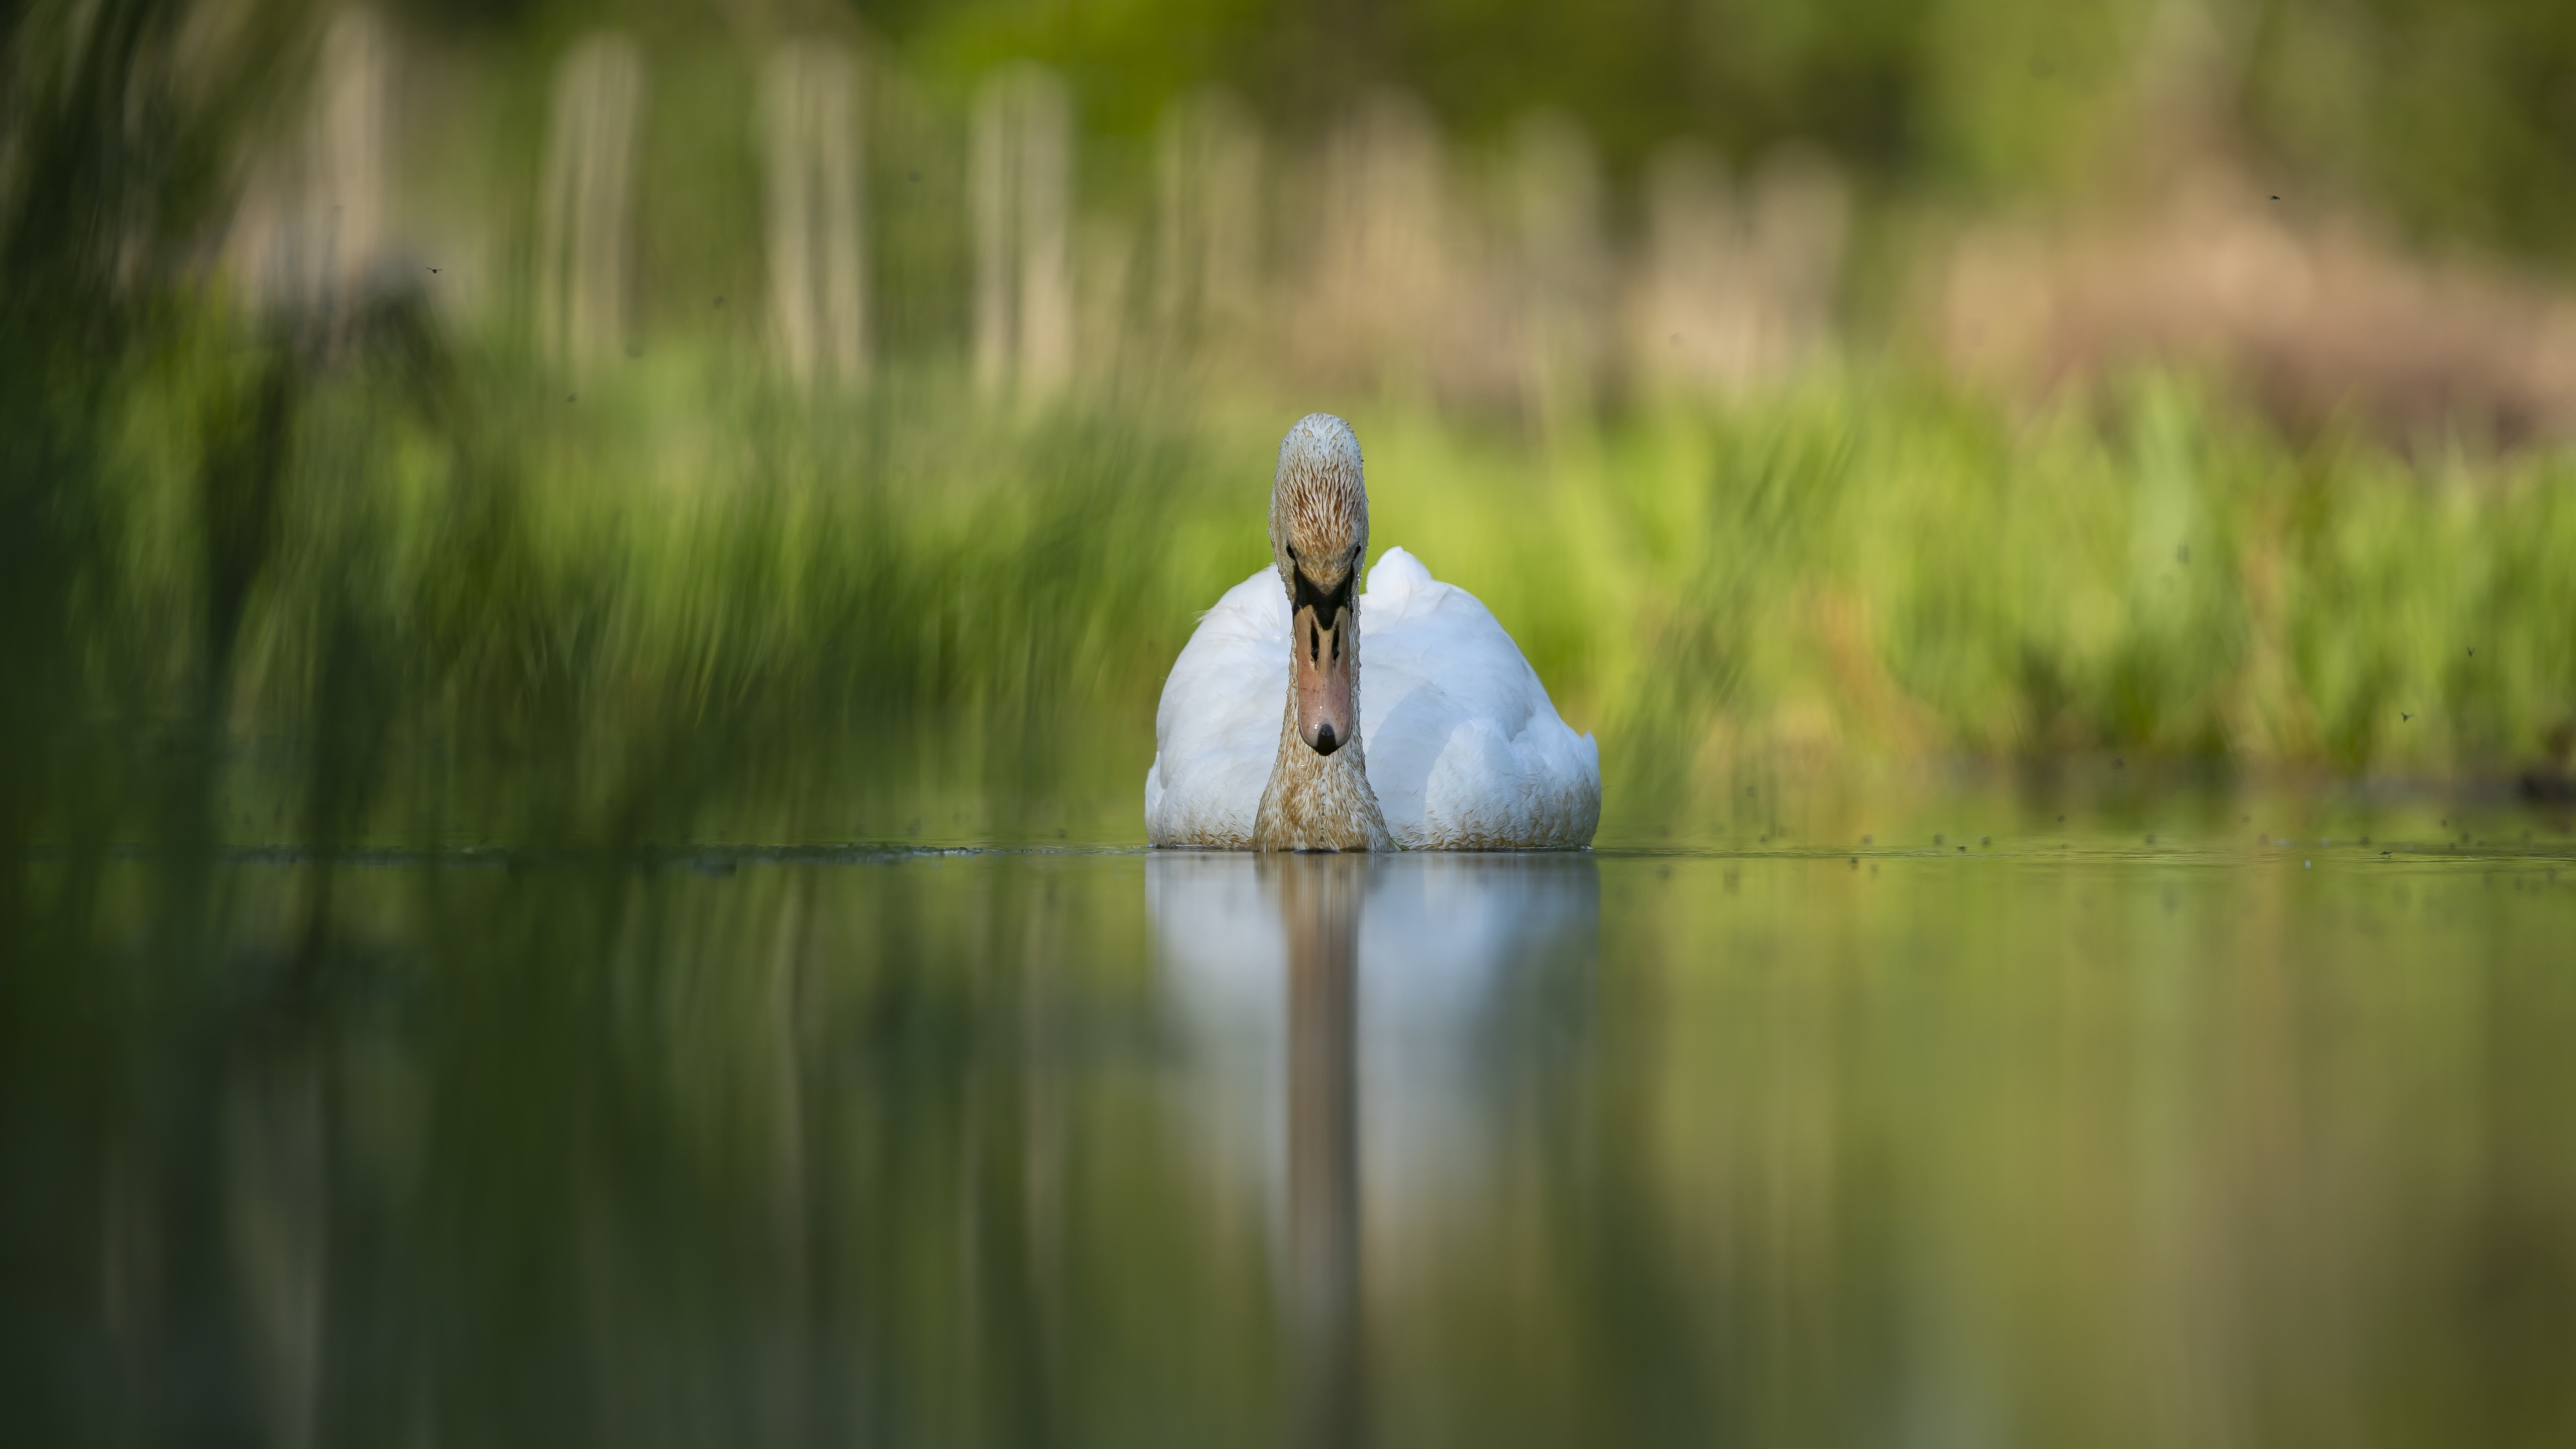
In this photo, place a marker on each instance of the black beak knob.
(1325, 744)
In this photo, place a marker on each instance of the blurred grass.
(715, 590)
(375, 576)
(684, 604)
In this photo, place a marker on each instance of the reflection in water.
(277, 1218)
(1454, 953)
(1126, 1149)
(1344, 1007)
(1319, 906)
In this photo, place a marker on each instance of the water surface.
(2065, 1141)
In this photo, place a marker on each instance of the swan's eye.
(1315, 645)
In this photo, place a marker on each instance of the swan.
(1459, 749)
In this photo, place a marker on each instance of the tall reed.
(688, 603)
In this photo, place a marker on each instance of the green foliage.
(377, 576)
(690, 604)
(2456, 117)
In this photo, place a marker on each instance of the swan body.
(1462, 748)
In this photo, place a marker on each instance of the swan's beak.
(1326, 718)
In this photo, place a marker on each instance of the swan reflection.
(1357, 1026)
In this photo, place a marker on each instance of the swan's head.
(1318, 536)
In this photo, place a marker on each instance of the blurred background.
(453, 422)
(540, 543)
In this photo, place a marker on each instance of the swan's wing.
(1217, 731)
(1465, 750)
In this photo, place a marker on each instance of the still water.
(1921, 1146)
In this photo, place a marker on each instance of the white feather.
(1464, 748)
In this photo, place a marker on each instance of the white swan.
(1459, 748)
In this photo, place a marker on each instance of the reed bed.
(445, 602)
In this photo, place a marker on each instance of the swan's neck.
(1320, 802)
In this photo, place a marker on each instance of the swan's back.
(1464, 749)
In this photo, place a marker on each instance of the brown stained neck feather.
(1318, 802)
(1318, 538)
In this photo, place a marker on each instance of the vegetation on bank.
(382, 576)
(438, 600)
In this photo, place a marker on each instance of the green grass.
(459, 607)
(379, 579)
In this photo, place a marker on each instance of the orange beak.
(1324, 621)
(1326, 720)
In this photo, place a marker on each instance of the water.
(2065, 1142)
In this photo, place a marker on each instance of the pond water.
(2064, 1143)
